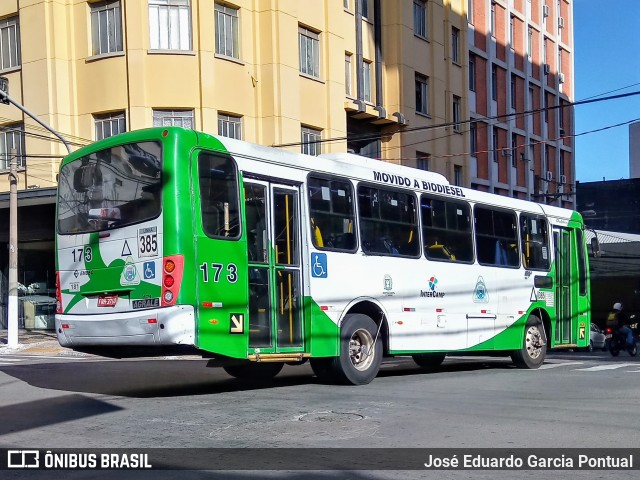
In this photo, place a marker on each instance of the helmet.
(617, 306)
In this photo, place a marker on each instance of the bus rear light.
(173, 270)
(152, 320)
(169, 266)
(58, 294)
(65, 325)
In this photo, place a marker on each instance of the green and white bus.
(258, 257)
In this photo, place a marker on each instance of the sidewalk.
(36, 342)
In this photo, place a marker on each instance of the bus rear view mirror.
(595, 247)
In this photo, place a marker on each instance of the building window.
(422, 160)
(456, 113)
(513, 91)
(229, 126)
(494, 82)
(530, 42)
(106, 28)
(493, 19)
(169, 25)
(473, 139)
(512, 33)
(422, 95)
(470, 11)
(457, 175)
(495, 144)
(227, 31)
(345, 4)
(309, 45)
(514, 150)
(173, 118)
(9, 43)
(310, 139)
(347, 74)
(364, 5)
(366, 77)
(109, 125)
(420, 18)
(11, 137)
(472, 72)
(455, 45)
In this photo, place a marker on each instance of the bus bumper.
(163, 326)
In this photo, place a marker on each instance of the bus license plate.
(107, 300)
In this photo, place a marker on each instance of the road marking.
(599, 368)
(556, 363)
(11, 359)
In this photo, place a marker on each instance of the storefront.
(36, 258)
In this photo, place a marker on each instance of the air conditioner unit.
(560, 22)
(561, 77)
(549, 176)
(562, 132)
(563, 179)
(545, 11)
(547, 69)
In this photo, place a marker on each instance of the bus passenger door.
(564, 286)
(275, 280)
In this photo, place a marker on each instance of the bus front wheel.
(254, 371)
(360, 351)
(534, 345)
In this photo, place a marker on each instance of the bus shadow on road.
(176, 378)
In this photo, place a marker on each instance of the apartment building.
(387, 79)
(521, 60)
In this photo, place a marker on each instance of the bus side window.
(446, 228)
(535, 244)
(496, 237)
(218, 196)
(331, 214)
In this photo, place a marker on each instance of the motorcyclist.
(619, 322)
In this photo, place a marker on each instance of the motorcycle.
(618, 342)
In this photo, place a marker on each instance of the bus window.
(388, 222)
(496, 237)
(111, 188)
(218, 196)
(331, 215)
(535, 242)
(446, 229)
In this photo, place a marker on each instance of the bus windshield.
(111, 188)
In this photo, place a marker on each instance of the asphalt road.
(575, 400)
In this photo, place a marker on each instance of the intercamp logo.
(23, 459)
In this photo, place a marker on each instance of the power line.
(377, 136)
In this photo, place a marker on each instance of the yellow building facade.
(360, 75)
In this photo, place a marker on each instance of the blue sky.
(607, 57)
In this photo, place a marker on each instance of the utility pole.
(12, 324)
(12, 320)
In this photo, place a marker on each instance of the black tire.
(633, 351)
(429, 360)
(614, 349)
(255, 372)
(356, 365)
(322, 368)
(590, 347)
(534, 345)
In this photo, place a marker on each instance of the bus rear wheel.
(428, 360)
(534, 345)
(254, 371)
(360, 351)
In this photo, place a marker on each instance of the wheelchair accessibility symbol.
(319, 265)
(149, 270)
